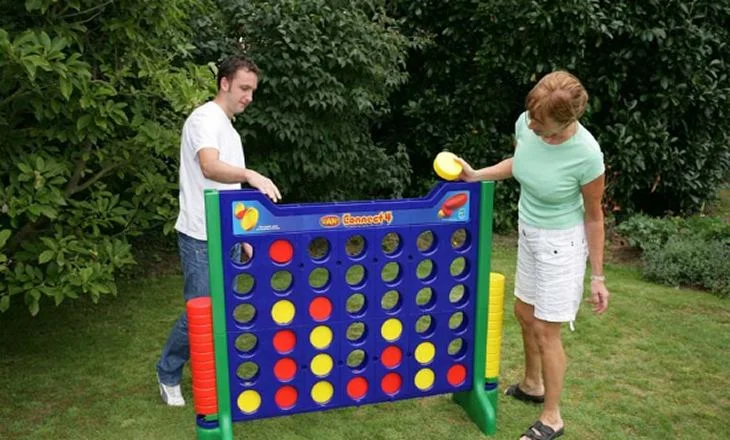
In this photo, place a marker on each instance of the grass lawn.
(657, 366)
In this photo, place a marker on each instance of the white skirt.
(551, 266)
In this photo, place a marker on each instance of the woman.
(559, 166)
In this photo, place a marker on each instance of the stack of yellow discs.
(446, 166)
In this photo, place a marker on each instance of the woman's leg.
(532, 383)
(552, 356)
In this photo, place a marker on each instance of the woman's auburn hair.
(559, 96)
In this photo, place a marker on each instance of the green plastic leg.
(222, 432)
(209, 433)
(479, 403)
(481, 406)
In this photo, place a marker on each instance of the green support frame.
(224, 430)
(480, 403)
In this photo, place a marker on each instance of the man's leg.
(175, 353)
(194, 261)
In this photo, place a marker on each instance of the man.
(211, 156)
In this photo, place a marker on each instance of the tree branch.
(104, 171)
(79, 165)
(26, 231)
(72, 188)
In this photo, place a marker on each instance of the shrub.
(327, 71)
(694, 251)
(687, 261)
(93, 96)
(657, 72)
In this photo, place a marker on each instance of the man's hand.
(247, 251)
(263, 184)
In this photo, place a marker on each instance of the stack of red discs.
(202, 355)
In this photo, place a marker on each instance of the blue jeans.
(194, 262)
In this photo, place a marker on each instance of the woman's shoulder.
(586, 138)
(520, 123)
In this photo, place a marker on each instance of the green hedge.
(677, 251)
(92, 98)
(328, 69)
(657, 72)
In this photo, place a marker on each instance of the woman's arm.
(595, 234)
(500, 171)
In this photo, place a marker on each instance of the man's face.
(239, 90)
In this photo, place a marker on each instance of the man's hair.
(232, 64)
(559, 96)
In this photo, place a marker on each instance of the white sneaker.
(171, 394)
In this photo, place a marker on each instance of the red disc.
(284, 341)
(285, 369)
(357, 388)
(456, 375)
(391, 356)
(200, 305)
(391, 383)
(320, 309)
(286, 397)
(281, 251)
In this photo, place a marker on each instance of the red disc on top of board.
(286, 397)
(357, 388)
(456, 375)
(281, 251)
(320, 309)
(285, 369)
(391, 383)
(391, 356)
(284, 341)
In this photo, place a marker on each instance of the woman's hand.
(599, 296)
(467, 172)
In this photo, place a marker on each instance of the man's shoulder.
(205, 113)
(206, 109)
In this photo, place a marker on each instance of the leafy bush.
(327, 71)
(647, 232)
(694, 251)
(657, 72)
(687, 261)
(93, 97)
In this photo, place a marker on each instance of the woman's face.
(549, 130)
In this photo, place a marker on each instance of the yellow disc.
(239, 209)
(322, 392)
(283, 312)
(424, 379)
(250, 218)
(496, 281)
(249, 401)
(425, 352)
(391, 329)
(446, 166)
(321, 337)
(321, 364)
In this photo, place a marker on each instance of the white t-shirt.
(208, 126)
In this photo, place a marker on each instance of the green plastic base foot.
(209, 433)
(214, 429)
(481, 406)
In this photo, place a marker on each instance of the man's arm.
(215, 169)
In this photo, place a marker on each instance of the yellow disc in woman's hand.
(446, 166)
